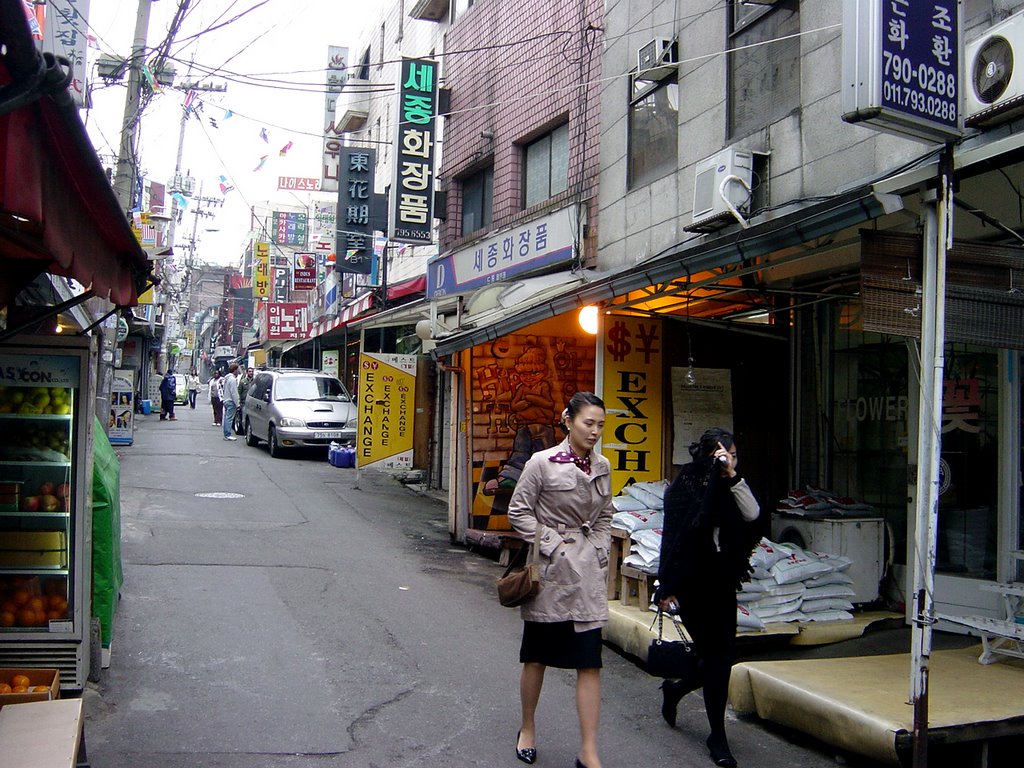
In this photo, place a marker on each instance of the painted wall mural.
(520, 385)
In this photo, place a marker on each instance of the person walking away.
(709, 534)
(167, 393)
(229, 394)
(193, 389)
(244, 382)
(566, 492)
(213, 395)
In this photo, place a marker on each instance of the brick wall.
(515, 69)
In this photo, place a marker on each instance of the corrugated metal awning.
(797, 224)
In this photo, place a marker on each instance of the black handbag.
(672, 659)
(521, 583)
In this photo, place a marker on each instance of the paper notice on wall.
(707, 402)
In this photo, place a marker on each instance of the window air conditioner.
(994, 81)
(660, 52)
(721, 190)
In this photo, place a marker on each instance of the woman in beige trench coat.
(566, 490)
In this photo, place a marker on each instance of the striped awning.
(348, 313)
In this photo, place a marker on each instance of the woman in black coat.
(709, 533)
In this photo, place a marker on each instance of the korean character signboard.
(290, 228)
(261, 271)
(411, 208)
(902, 66)
(298, 183)
(543, 242)
(354, 218)
(337, 75)
(285, 320)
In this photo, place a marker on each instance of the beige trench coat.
(575, 515)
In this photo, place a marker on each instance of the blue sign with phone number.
(921, 59)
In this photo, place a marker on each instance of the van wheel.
(274, 448)
(250, 438)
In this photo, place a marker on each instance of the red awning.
(58, 213)
(408, 287)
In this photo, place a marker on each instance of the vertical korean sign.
(337, 74)
(261, 271)
(386, 406)
(64, 35)
(632, 394)
(902, 66)
(411, 208)
(354, 223)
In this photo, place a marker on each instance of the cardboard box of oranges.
(20, 685)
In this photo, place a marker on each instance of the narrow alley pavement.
(275, 613)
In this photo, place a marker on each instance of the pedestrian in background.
(213, 395)
(167, 394)
(244, 382)
(709, 533)
(566, 491)
(229, 394)
(193, 389)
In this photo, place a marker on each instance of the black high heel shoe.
(671, 693)
(579, 764)
(528, 754)
(721, 754)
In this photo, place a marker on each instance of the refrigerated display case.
(46, 417)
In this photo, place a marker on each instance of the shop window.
(867, 423)
(546, 166)
(969, 470)
(764, 80)
(477, 196)
(653, 128)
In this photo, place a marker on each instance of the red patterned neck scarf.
(565, 457)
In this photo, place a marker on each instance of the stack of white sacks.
(788, 583)
(638, 511)
(791, 584)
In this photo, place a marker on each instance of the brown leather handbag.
(521, 581)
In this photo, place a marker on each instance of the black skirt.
(558, 644)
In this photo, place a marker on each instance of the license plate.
(327, 435)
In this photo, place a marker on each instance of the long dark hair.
(576, 404)
(705, 448)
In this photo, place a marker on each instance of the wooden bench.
(636, 587)
(619, 549)
(43, 734)
(999, 637)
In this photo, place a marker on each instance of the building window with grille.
(653, 128)
(764, 80)
(546, 164)
(477, 196)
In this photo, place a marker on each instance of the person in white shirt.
(213, 396)
(229, 395)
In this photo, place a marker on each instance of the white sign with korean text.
(542, 242)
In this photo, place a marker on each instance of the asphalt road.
(280, 613)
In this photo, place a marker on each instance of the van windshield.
(310, 388)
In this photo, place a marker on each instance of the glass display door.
(46, 417)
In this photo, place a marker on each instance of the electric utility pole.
(125, 176)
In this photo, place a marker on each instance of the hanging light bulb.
(691, 374)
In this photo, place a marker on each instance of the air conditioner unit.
(661, 54)
(995, 79)
(862, 539)
(721, 190)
